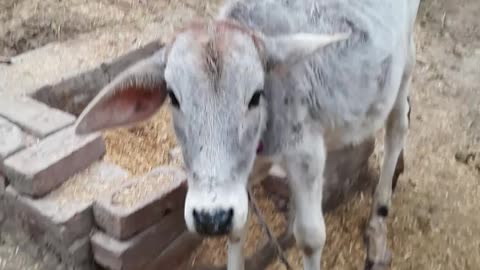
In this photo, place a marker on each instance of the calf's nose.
(218, 222)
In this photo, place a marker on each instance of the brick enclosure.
(40, 155)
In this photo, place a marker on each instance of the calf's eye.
(173, 99)
(255, 100)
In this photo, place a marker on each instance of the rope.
(272, 238)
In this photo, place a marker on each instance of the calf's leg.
(378, 255)
(235, 256)
(305, 166)
(401, 159)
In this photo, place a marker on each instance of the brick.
(3, 185)
(43, 218)
(136, 252)
(66, 213)
(12, 138)
(124, 222)
(63, 220)
(52, 161)
(79, 252)
(177, 254)
(34, 117)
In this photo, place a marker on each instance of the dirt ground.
(434, 223)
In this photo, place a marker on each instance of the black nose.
(214, 223)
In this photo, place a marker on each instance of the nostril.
(223, 217)
(195, 215)
(198, 217)
(199, 221)
(228, 215)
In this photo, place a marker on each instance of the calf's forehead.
(218, 59)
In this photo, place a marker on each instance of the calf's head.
(213, 75)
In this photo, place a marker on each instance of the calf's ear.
(290, 49)
(133, 96)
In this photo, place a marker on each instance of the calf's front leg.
(305, 166)
(235, 257)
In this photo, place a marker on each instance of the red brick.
(136, 252)
(177, 254)
(122, 223)
(33, 116)
(42, 167)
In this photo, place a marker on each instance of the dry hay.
(144, 188)
(86, 186)
(141, 148)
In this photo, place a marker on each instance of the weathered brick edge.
(73, 94)
(176, 255)
(3, 185)
(141, 249)
(33, 116)
(52, 161)
(122, 223)
(66, 237)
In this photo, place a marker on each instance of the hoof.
(379, 264)
(378, 256)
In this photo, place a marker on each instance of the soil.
(434, 223)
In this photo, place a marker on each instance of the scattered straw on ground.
(144, 188)
(143, 147)
(94, 182)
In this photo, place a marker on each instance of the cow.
(284, 81)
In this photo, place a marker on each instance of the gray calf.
(298, 78)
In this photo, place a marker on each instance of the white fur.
(333, 89)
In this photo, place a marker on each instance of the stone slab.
(176, 254)
(52, 161)
(33, 116)
(140, 250)
(123, 222)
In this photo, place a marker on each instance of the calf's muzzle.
(216, 223)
